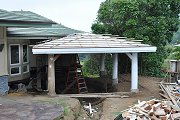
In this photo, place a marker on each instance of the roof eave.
(25, 23)
(93, 50)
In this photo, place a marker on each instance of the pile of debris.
(152, 110)
(171, 92)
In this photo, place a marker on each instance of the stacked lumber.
(151, 110)
(171, 92)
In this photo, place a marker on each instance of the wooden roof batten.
(92, 43)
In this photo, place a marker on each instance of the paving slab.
(14, 110)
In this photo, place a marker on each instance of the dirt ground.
(110, 108)
(107, 109)
(148, 89)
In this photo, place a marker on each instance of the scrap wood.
(175, 108)
(90, 110)
(167, 91)
(172, 98)
(164, 96)
(160, 110)
(175, 115)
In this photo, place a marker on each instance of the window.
(19, 63)
(25, 68)
(25, 59)
(15, 54)
(15, 70)
(25, 53)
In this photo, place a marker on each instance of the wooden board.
(95, 95)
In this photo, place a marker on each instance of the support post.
(102, 65)
(51, 75)
(115, 69)
(134, 72)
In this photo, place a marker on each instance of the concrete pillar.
(115, 69)
(134, 72)
(51, 75)
(102, 65)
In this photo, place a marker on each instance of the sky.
(76, 14)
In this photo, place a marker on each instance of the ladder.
(75, 76)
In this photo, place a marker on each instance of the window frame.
(15, 73)
(27, 68)
(19, 54)
(27, 55)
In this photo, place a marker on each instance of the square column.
(134, 71)
(102, 65)
(51, 75)
(115, 69)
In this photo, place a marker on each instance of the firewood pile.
(152, 110)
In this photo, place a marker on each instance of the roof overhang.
(34, 37)
(24, 24)
(93, 50)
(92, 43)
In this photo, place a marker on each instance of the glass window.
(15, 70)
(25, 68)
(14, 54)
(25, 53)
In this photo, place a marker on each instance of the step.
(83, 88)
(82, 83)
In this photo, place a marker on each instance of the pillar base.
(114, 82)
(51, 94)
(135, 90)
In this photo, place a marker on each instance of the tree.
(150, 20)
(176, 37)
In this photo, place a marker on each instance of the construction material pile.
(171, 92)
(152, 110)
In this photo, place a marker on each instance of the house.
(19, 31)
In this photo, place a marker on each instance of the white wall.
(3, 53)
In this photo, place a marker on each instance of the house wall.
(3, 53)
(22, 75)
(32, 58)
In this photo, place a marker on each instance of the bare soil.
(148, 89)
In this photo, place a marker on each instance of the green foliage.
(98, 28)
(108, 64)
(91, 66)
(176, 53)
(152, 21)
(176, 37)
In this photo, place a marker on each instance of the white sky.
(77, 14)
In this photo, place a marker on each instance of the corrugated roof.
(23, 16)
(52, 31)
(91, 43)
